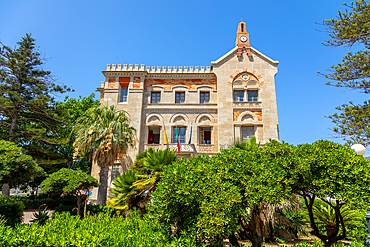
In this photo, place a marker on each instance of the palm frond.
(105, 132)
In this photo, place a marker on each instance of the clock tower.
(242, 39)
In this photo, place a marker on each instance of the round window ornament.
(245, 77)
(359, 149)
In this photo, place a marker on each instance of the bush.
(101, 230)
(50, 203)
(96, 209)
(12, 212)
(66, 208)
(90, 209)
(7, 199)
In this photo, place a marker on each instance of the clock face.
(243, 38)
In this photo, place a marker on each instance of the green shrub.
(101, 230)
(90, 209)
(12, 212)
(96, 209)
(66, 208)
(7, 199)
(50, 203)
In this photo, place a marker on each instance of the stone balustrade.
(206, 148)
(184, 148)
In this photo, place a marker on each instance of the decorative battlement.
(159, 69)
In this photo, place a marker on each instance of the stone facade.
(234, 98)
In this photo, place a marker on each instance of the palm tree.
(124, 195)
(325, 215)
(134, 187)
(153, 165)
(103, 133)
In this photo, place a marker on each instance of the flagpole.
(165, 134)
(178, 139)
(191, 132)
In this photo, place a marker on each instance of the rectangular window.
(247, 132)
(115, 172)
(252, 95)
(154, 135)
(238, 95)
(156, 97)
(181, 133)
(124, 91)
(180, 97)
(204, 97)
(204, 135)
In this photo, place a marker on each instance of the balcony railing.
(184, 148)
(206, 148)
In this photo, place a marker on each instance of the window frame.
(242, 94)
(159, 138)
(201, 135)
(204, 97)
(155, 100)
(122, 95)
(253, 95)
(115, 171)
(181, 137)
(181, 98)
(246, 130)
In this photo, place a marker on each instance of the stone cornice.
(119, 73)
(184, 76)
(157, 69)
(177, 110)
(234, 50)
(180, 106)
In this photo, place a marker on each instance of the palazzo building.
(211, 106)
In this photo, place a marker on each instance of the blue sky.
(82, 37)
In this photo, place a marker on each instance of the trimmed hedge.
(12, 212)
(93, 231)
(50, 203)
(36, 203)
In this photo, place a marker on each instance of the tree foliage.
(103, 133)
(349, 28)
(210, 197)
(61, 155)
(76, 183)
(27, 94)
(27, 113)
(337, 176)
(16, 167)
(73, 108)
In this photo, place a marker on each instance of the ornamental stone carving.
(248, 104)
(153, 119)
(205, 148)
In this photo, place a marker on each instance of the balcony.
(184, 148)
